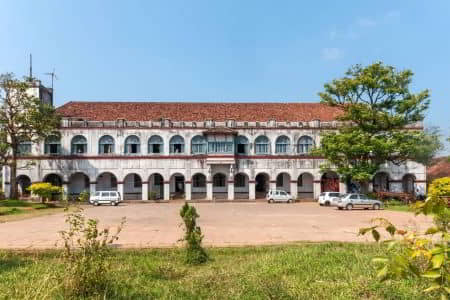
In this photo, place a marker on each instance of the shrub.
(86, 255)
(195, 254)
(84, 196)
(44, 190)
(425, 255)
(152, 195)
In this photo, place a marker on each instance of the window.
(79, 145)
(155, 144)
(262, 145)
(106, 145)
(219, 180)
(24, 148)
(305, 144)
(132, 145)
(241, 145)
(282, 144)
(198, 181)
(198, 145)
(52, 145)
(354, 197)
(177, 144)
(220, 144)
(239, 180)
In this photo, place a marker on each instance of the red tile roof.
(197, 111)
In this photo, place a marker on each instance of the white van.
(105, 197)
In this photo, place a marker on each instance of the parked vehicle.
(105, 197)
(351, 201)
(278, 196)
(327, 198)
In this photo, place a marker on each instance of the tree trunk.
(13, 178)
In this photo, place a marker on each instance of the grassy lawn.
(294, 271)
(11, 210)
(396, 205)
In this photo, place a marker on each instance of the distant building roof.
(198, 111)
(439, 168)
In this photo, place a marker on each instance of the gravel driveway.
(223, 224)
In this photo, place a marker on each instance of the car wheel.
(290, 201)
(95, 203)
(270, 200)
(327, 203)
(320, 204)
(376, 206)
(349, 207)
(340, 208)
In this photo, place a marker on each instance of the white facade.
(176, 172)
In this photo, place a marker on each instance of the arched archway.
(380, 182)
(261, 185)
(305, 186)
(177, 189)
(132, 187)
(198, 186)
(106, 182)
(23, 183)
(241, 188)
(220, 186)
(408, 183)
(155, 187)
(284, 182)
(55, 180)
(329, 182)
(78, 182)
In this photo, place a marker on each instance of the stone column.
(120, 189)
(6, 182)
(188, 190)
(145, 190)
(209, 190)
(273, 185)
(92, 187)
(342, 187)
(166, 190)
(65, 187)
(251, 190)
(316, 189)
(230, 190)
(294, 189)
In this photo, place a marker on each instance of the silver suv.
(105, 197)
(278, 196)
(351, 201)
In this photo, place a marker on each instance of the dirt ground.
(223, 224)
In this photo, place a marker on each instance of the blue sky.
(224, 50)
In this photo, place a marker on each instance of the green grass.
(396, 205)
(295, 271)
(19, 209)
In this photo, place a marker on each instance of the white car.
(105, 197)
(327, 198)
(278, 196)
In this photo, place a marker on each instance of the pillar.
(166, 190)
(120, 190)
(92, 187)
(6, 182)
(188, 190)
(342, 187)
(316, 189)
(209, 190)
(251, 190)
(294, 189)
(145, 190)
(273, 185)
(230, 190)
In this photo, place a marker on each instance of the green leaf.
(363, 231)
(437, 260)
(432, 287)
(447, 289)
(380, 260)
(432, 230)
(391, 244)
(391, 229)
(376, 235)
(444, 297)
(432, 274)
(382, 273)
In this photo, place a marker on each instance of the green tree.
(23, 118)
(377, 108)
(44, 190)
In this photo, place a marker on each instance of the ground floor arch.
(78, 182)
(198, 186)
(262, 181)
(132, 187)
(283, 182)
(177, 186)
(156, 187)
(408, 183)
(380, 182)
(23, 183)
(220, 186)
(55, 180)
(329, 182)
(305, 186)
(241, 186)
(106, 182)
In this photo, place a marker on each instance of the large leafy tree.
(378, 116)
(23, 118)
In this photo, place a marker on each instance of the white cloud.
(366, 22)
(331, 53)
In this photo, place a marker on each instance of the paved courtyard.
(224, 224)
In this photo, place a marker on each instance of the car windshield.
(97, 194)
